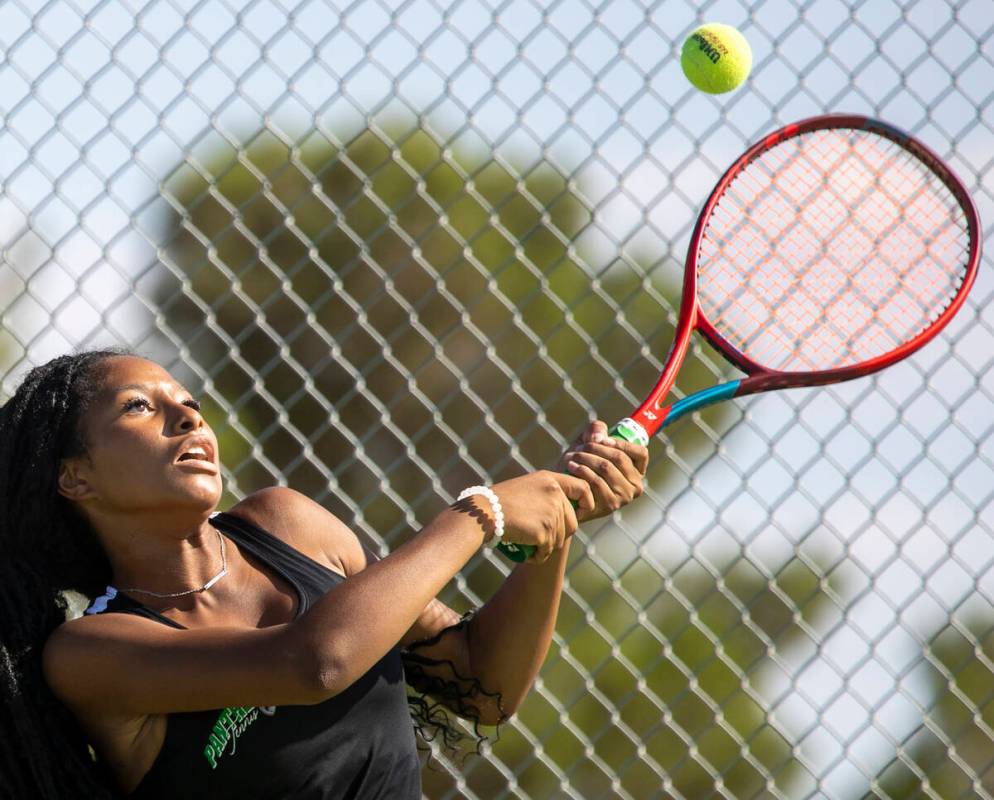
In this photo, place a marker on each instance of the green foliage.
(660, 687)
(954, 744)
(404, 310)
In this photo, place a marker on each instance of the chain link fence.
(402, 247)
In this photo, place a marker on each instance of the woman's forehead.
(133, 372)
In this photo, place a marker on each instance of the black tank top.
(358, 744)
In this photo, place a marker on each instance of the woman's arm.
(118, 664)
(484, 666)
(502, 648)
(379, 604)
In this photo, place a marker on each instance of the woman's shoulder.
(80, 650)
(305, 525)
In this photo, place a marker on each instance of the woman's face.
(147, 447)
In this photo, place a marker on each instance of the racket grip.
(628, 430)
(516, 552)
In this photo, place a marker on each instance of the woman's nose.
(189, 419)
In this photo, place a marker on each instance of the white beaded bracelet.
(491, 495)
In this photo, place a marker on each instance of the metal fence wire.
(403, 247)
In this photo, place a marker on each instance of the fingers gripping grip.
(627, 430)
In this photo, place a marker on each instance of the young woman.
(259, 652)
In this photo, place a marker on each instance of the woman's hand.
(539, 509)
(613, 468)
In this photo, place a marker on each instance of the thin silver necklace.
(204, 588)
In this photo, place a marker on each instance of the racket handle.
(516, 552)
(628, 430)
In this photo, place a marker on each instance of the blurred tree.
(386, 321)
(950, 755)
(661, 689)
(389, 308)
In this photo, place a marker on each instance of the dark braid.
(46, 547)
(435, 690)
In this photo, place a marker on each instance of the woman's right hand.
(538, 510)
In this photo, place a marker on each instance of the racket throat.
(650, 418)
(705, 397)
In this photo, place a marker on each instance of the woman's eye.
(194, 404)
(136, 403)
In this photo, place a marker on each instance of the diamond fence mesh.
(405, 247)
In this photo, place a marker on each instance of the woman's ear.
(72, 482)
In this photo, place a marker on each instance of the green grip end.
(516, 552)
(628, 430)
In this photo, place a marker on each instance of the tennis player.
(260, 652)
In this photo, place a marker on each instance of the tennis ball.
(716, 58)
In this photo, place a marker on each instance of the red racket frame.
(653, 414)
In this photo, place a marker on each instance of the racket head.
(834, 247)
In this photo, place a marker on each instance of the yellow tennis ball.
(716, 58)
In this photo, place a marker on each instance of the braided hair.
(46, 548)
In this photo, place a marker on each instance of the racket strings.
(754, 242)
(830, 249)
(816, 286)
(848, 199)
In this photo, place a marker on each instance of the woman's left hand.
(614, 469)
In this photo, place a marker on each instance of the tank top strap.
(311, 579)
(113, 601)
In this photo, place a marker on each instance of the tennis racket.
(830, 250)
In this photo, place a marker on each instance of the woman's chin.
(202, 490)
